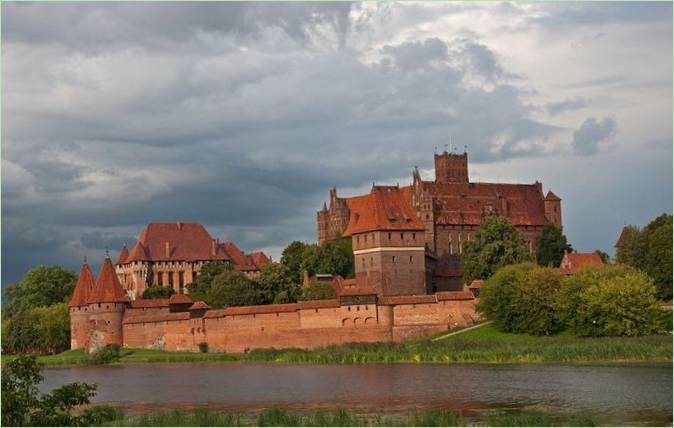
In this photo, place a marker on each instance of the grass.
(344, 418)
(481, 345)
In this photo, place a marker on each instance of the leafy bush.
(98, 415)
(521, 298)
(318, 291)
(203, 347)
(105, 355)
(610, 301)
(158, 292)
(39, 330)
(22, 406)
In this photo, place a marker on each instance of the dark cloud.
(591, 133)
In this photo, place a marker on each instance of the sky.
(241, 116)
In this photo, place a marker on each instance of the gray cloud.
(591, 133)
(558, 107)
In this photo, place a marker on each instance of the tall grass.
(278, 417)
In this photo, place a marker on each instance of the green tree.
(610, 300)
(199, 289)
(233, 288)
(158, 292)
(521, 298)
(604, 256)
(318, 291)
(23, 406)
(658, 256)
(497, 243)
(292, 257)
(277, 284)
(41, 286)
(40, 330)
(633, 247)
(551, 246)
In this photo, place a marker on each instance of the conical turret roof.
(84, 286)
(107, 288)
(123, 255)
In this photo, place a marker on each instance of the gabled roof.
(384, 208)
(175, 241)
(84, 286)
(476, 284)
(572, 262)
(123, 255)
(107, 288)
(243, 261)
(552, 197)
(259, 259)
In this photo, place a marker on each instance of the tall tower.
(106, 306)
(553, 209)
(79, 313)
(451, 168)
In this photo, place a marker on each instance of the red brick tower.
(107, 303)
(451, 168)
(79, 311)
(553, 209)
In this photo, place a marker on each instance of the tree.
(292, 257)
(41, 330)
(497, 243)
(158, 292)
(521, 298)
(41, 286)
(612, 300)
(632, 248)
(232, 288)
(318, 291)
(277, 284)
(551, 246)
(199, 289)
(22, 406)
(604, 256)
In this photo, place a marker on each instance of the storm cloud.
(242, 115)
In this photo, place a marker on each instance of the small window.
(402, 235)
(389, 236)
(410, 259)
(414, 236)
(393, 258)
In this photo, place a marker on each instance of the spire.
(123, 255)
(551, 196)
(84, 286)
(107, 288)
(325, 206)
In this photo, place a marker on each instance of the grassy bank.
(481, 345)
(344, 418)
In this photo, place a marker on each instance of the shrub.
(203, 347)
(521, 298)
(158, 292)
(610, 301)
(105, 355)
(318, 291)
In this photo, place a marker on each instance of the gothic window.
(389, 236)
(410, 259)
(414, 236)
(401, 236)
(393, 258)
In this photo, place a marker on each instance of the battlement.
(451, 168)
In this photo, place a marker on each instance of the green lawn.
(481, 345)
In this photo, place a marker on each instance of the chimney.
(213, 246)
(168, 250)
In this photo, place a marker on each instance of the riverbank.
(346, 418)
(481, 345)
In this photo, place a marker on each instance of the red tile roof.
(259, 259)
(384, 208)
(407, 300)
(123, 254)
(175, 241)
(237, 257)
(107, 288)
(179, 299)
(477, 283)
(84, 286)
(199, 305)
(572, 262)
(466, 203)
(156, 317)
(318, 304)
(150, 303)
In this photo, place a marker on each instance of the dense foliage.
(497, 243)
(650, 249)
(22, 405)
(333, 257)
(277, 284)
(233, 288)
(105, 354)
(158, 292)
(521, 298)
(551, 246)
(39, 330)
(612, 300)
(42, 286)
(318, 291)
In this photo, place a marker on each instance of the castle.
(408, 240)
(172, 254)
(101, 313)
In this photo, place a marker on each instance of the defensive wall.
(153, 324)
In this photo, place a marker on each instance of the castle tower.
(553, 209)
(79, 311)
(322, 220)
(106, 305)
(451, 168)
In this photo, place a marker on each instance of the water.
(624, 394)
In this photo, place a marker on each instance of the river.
(624, 394)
